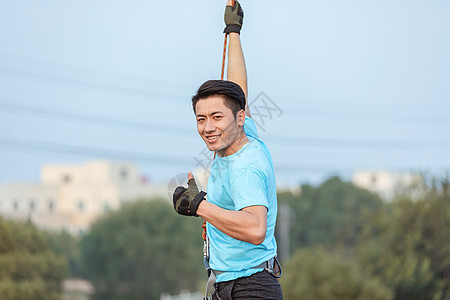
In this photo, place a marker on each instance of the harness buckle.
(274, 267)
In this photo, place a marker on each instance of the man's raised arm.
(236, 70)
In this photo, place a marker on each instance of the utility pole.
(286, 217)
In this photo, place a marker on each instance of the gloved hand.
(234, 16)
(187, 200)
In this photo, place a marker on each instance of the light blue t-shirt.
(243, 179)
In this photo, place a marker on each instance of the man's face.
(218, 127)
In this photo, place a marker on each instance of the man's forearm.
(248, 225)
(236, 71)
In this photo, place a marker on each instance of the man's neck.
(236, 146)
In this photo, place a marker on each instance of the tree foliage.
(408, 246)
(405, 244)
(28, 267)
(142, 250)
(330, 214)
(315, 274)
(67, 245)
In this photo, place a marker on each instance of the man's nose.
(209, 127)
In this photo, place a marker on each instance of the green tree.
(67, 245)
(408, 245)
(315, 274)
(332, 213)
(28, 267)
(142, 250)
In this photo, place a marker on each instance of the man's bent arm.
(236, 70)
(248, 225)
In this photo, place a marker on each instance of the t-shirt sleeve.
(250, 128)
(248, 188)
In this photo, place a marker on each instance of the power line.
(181, 131)
(78, 117)
(27, 145)
(368, 117)
(360, 144)
(72, 70)
(113, 87)
(68, 78)
(87, 151)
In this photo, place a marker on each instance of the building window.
(373, 179)
(51, 205)
(124, 174)
(32, 205)
(81, 206)
(66, 178)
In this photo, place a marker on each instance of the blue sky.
(358, 84)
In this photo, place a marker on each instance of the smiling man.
(241, 204)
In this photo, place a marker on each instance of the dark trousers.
(260, 285)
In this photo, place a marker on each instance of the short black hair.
(232, 93)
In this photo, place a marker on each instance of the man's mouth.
(212, 138)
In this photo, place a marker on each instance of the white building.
(385, 183)
(71, 197)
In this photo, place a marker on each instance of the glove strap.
(232, 28)
(195, 203)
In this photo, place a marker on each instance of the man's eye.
(200, 120)
(217, 117)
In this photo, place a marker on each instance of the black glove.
(187, 200)
(234, 16)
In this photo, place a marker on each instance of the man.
(241, 205)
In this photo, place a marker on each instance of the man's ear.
(240, 117)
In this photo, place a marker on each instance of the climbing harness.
(272, 266)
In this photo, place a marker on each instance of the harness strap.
(210, 289)
(272, 266)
